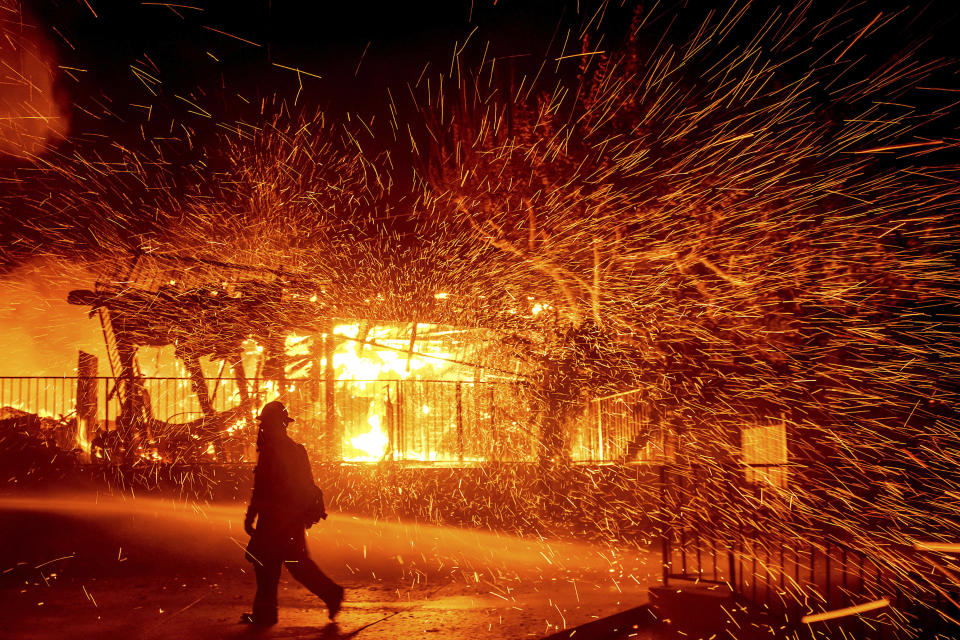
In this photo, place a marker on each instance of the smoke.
(39, 332)
(29, 114)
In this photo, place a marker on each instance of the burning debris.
(35, 450)
(363, 391)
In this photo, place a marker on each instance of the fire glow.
(364, 356)
(726, 247)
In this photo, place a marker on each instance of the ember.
(674, 280)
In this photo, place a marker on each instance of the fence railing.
(620, 428)
(401, 420)
(711, 535)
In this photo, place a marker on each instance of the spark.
(230, 35)
(675, 248)
(846, 611)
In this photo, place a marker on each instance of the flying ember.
(553, 320)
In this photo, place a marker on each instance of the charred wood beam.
(199, 383)
(87, 392)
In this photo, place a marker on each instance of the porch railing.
(401, 420)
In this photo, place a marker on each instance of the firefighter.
(285, 502)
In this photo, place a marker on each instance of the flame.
(359, 364)
(367, 360)
(373, 443)
(151, 455)
(295, 345)
(539, 307)
(12, 409)
(358, 361)
(83, 436)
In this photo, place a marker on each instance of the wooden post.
(86, 399)
(199, 382)
(130, 422)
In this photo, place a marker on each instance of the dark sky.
(118, 58)
(358, 48)
(131, 73)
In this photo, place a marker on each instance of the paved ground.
(83, 567)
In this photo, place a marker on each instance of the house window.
(765, 454)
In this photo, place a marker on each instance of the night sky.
(741, 216)
(167, 78)
(360, 50)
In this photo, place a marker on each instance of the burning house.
(195, 347)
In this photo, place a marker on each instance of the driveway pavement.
(106, 567)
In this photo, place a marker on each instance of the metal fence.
(716, 529)
(620, 428)
(400, 420)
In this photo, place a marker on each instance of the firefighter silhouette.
(285, 502)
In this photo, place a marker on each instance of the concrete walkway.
(83, 567)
